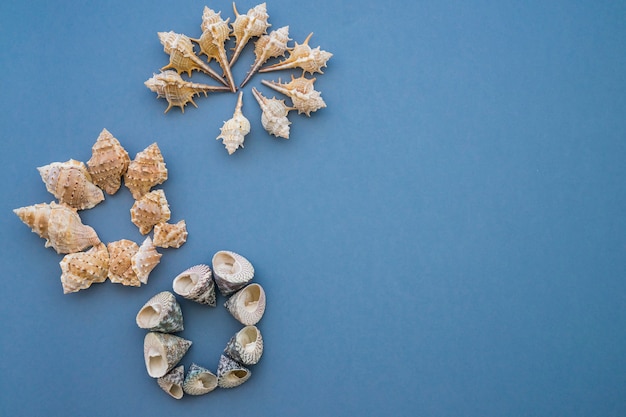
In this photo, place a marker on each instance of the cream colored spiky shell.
(81, 269)
(162, 352)
(266, 47)
(248, 304)
(150, 210)
(168, 235)
(235, 129)
(71, 184)
(145, 171)
(108, 163)
(300, 90)
(274, 117)
(303, 56)
(120, 262)
(145, 260)
(246, 346)
(247, 26)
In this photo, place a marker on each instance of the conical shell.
(168, 235)
(81, 269)
(145, 260)
(196, 284)
(162, 352)
(274, 117)
(230, 373)
(172, 382)
(235, 129)
(303, 95)
(231, 271)
(109, 162)
(247, 305)
(145, 171)
(247, 26)
(71, 184)
(246, 346)
(60, 225)
(303, 56)
(150, 210)
(161, 313)
(266, 47)
(120, 262)
(199, 381)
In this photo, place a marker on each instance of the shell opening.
(156, 363)
(183, 284)
(207, 381)
(247, 337)
(149, 316)
(236, 374)
(176, 391)
(226, 264)
(251, 297)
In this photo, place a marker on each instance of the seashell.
(231, 374)
(108, 163)
(303, 95)
(81, 269)
(246, 346)
(70, 182)
(247, 305)
(266, 47)
(232, 271)
(168, 235)
(172, 382)
(145, 260)
(199, 381)
(247, 26)
(161, 314)
(120, 262)
(60, 225)
(196, 284)
(215, 32)
(145, 171)
(150, 210)
(235, 129)
(302, 56)
(162, 352)
(182, 57)
(178, 92)
(274, 117)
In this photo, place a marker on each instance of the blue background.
(447, 237)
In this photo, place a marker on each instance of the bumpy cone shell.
(231, 271)
(162, 352)
(161, 313)
(70, 182)
(230, 373)
(149, 210)
(246, 346)
(274, 117)
(247, 305)
(109, 162)
(196, 284)
(168, 235)
(199, 381)
(145, 260)
(120, 262)
(145, 171)
(81, 269)
(235, 129)
(172, 382)
(266, 47)
(247, 26)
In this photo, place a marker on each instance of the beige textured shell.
(120, 262)
(109, 162)
(70, 182)
(302, 56)
(60, 225)
(274, 117)
(199, 381)
(235, 129)
(162, 352)
(246, 346)
(81, 269)
(145, 260)
(231, 271)
(196, 283)
(145, 171)
(247, 26)
(266, 47)
(303, 95)
(168, 235)
(150, 210)
(230, 373)
(247, 305)
(172, 382)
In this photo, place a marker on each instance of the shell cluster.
(78, 186)
(216, 32)
(162, 315)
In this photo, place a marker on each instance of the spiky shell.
(172, 382)
(60, 225)
(230, 373)
(150, 210)
(120, 262)
(231, 271)
(145, 260)
(247, 26)
(303, 95)
(162, 352)
(71, 184)
(266, 47)
(246, 346)
(199, 380)
(274, 115)
(145, 171)
(168, 235)
(108, 163)
(81, 269)
(196, 284)
(235, 129)
(303, 56)
(247, 305)
(161, 313)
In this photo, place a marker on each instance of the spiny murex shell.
(230, 373)
(231, 271)
(303, 95)
(81, 269)
(60, 225)
(302, 56)
(266, 47)
(247, 305)
(162, 352)
(246, 346)
(168, 235)
(150, 210)
(108, 163)
(199, 381)
(274, 117)
(70, 182)
(196, 284)
(235, 129)
(172, 382)
(145, 260)
(145, 171)
(161, 313)
(120, 262)
(247, 26)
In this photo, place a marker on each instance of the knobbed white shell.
(172, 382)
(145, 171)
(162, 352)
(246, 346)
(300, 90)
(120, 262)
(235, 129)
(70, 182)
(266, 47)
(109, 162)
(247, 26)
(274, 116)
(161, 313)
(150, 210)
(303, 56)
(199, 381)
(81, 269)
(247, 305)
(231, 271)
(196, 284)
(230, 373)
(145, 260)
(168, 235)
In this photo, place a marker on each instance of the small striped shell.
(247, 26)
(168, 235)
(230, 373)
(196, 283)
(120, 262)
(81, 269)
(172, 382)
(161, 313)
(109, 162)
(246, 346)
(247, 305)
(145, 260)
(199, 381)
(145, 171)
(149, 210)
(274, 117)
(235, 129)
(231, 271)
(300, 90)
(70, 182)
(162, 352)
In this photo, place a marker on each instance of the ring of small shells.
(162, 316)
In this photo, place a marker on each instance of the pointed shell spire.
(247, 305)
(161, 313)
(162, 352)
(196, 283)
(145, 171)
(303, 95)
(168, 235)
(150, 210)
(145, 260)
(235, 129)
(81, 269)
(108, 163)
(247, 26)
(172, 382)
(274, 117)
(230, 373)
(231, 271)
(70, 182)
(199, 381)
(303, 56)
(266, 47)
(120, 262)
(246, 346)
